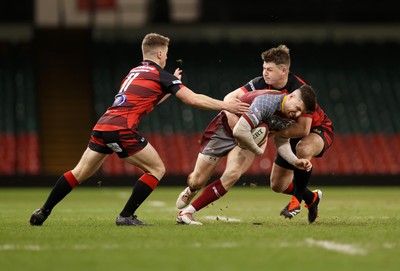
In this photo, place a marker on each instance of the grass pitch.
(358, 229)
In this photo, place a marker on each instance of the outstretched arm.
(205, 102)
(236, 94)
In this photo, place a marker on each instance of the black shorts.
(327, 135)
(124, 142)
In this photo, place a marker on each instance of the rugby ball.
(260, 133)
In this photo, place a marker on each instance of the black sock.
(301, 179)
(60, 190)
(308, 196)
(139, 194)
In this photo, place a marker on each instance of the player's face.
(273, 74)
(294, 105)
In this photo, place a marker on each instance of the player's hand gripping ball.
(260, 133)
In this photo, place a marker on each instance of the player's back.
(250, 96)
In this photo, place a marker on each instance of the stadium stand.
(359, 97)
(357, 85)
(19, 138)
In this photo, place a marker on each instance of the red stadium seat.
(8, 154)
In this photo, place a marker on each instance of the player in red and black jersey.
(146, 86)
(311, 135)
(314, 134)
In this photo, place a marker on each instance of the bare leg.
(151, 164)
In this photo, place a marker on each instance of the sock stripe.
(150, 180)
(216, 191)
(219, 189)
(71, 179)
(289, 189)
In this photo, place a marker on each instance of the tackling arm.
(205, 102)
(236, 94)
(300, 128)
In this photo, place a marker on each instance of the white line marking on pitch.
(20, 247)
(342, 248)
(222, 218)
(156, 203)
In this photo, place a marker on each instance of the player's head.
(155, 48)
(279, 55)
(276, 65)
(309, 98)
(302, 100)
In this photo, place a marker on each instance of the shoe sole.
(180, 204)
(291, 214)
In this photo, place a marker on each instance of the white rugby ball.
(260, 134)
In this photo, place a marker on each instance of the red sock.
(150, 180)
(71, 179)
(289, 189)
(211, 193)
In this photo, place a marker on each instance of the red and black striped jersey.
(140, 91)
(294, 82)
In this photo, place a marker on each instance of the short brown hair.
(309, 98)
(153, 41)
(279, 55)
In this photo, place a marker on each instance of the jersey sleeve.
(261, 108)
(254, 84)
(170, 83)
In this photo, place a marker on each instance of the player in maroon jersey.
(311, 136)
(219, 140)
(145, 86)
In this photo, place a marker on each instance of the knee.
(274, 184)
(275, 188)
(303, 150)
(195, 181)
(162, 170)
(158, 171)
(279, 184)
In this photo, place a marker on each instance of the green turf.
(358, 229)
